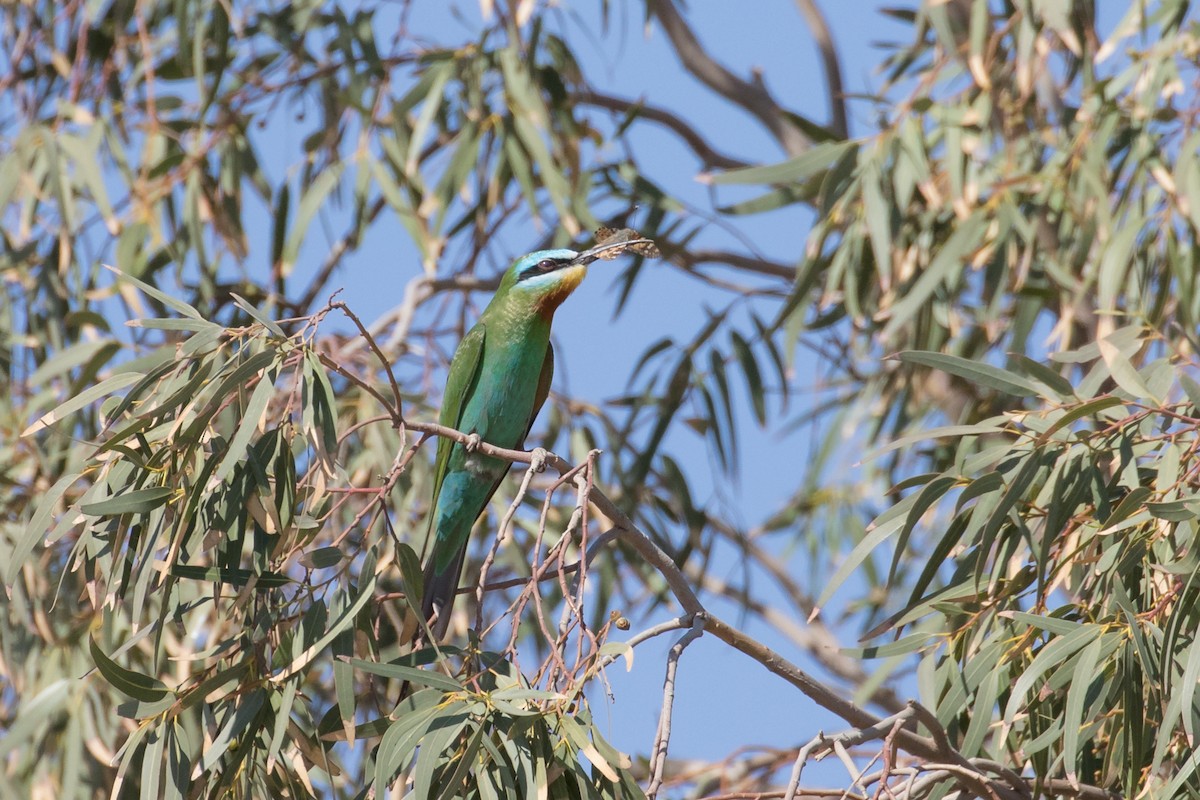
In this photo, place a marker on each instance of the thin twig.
(397, 410)
(658, 753)
(535, 466)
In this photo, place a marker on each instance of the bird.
(498, 380)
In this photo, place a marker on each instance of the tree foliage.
(219, 475)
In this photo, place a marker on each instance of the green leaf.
(1049, 658)
(73, 356)
(1123, 371)
(167, 300)
(931, 493)
(431, 103)
(422, 677)
(174, 324)
(754, 384)
(445, 731)
(241, 729)
(875, 536)
(340, 623)
(35, 531)
(464, 762)
(398, 742)
(248, 426)
(1088, 409)
(807, 164)
(258, 316)
(283, 713)
(279, 222)
(1115, 263)
(152, 759)
(878, 218)
(321, 558)
(234, 576)
(82, 400)
(578, 737)
(956, 431)
(1081, 684)
(135, 502)
(135, 684)
(974, 371)
(948, 264)
(412, 575)
(34, 712)
(776, 198)
(310, 204)
(1045, 374)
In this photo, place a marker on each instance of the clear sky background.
(723, 699)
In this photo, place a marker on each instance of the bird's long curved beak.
(590, 255)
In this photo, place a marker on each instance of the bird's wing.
(464, 374)
(543, 388)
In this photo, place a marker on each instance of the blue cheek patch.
(540, 282)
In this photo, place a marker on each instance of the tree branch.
(829, 59)
(752, 96)
(708, 156)
(759, 266)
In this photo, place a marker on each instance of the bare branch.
(662, 738)
(829, 59)
(759, 266)
(813, 637)
(752, 96)
(708, 156)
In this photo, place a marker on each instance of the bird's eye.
(545, 266)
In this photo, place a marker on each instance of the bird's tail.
(440, 588)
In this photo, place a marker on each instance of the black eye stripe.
(544, 266)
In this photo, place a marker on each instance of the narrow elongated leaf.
(974, 371)
(578, 737)
(241, 724)
(754, 384)
(310, 203)
(167, 300)
(137, 501)
(339, 624)
(83, 400)
(135, 684)
(443, 733)
(1123, 371)
(948, 264)
(36, 711)
(1081, 684)
(259, 399)
(74, 356)
(1088, 409)
(800, 168)
(422, 677)
(35, 531)
(1049, 658)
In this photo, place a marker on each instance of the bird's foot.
(537, 459)
(473, 441)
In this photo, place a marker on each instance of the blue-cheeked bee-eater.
(498, 380)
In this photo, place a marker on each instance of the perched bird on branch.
(498, 381)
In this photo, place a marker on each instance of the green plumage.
(498, 381)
